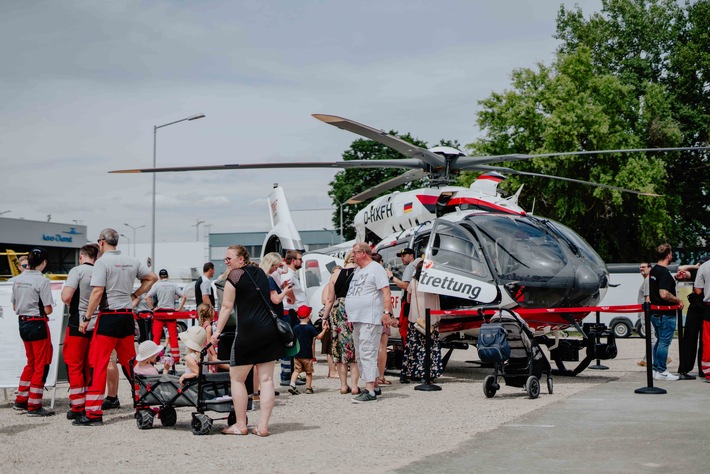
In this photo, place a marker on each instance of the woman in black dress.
(257, 342)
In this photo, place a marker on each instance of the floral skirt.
(415, 350)
(342, 345)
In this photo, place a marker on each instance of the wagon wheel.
(144, 419)
(201, 424)
(168, 416)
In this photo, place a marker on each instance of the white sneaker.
(665, 376)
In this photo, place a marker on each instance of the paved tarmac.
(608, 428)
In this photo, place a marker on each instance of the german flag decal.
(408, 207)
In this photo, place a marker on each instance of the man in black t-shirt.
(662, 293)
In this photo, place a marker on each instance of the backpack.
(493, 344)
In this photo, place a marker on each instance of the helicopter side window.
(312, 273)
(391, 260)
(453, 247)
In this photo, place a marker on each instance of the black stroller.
(507, 342)
(159, 395)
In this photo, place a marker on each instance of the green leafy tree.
(631, 76)
(661, 49)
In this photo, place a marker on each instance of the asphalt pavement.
(608, 428)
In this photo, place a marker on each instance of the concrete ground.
(592, 422)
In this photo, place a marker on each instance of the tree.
(634, 75)
(662, 43)
(349, 182)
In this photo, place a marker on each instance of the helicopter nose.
(587, 284)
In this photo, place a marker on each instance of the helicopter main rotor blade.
(470, 162)
(380, 136)
(411, 163)
(590, 183)
(409, 176)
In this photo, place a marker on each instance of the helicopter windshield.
(519, 250)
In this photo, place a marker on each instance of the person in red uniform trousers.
(112, 292)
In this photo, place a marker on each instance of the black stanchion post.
(597, 340)
(427, 386)
(649, 389)
(681, 336)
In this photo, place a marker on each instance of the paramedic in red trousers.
(75, 294)
(702, 287)
(32, 302)
(161, 298)
(112, 292)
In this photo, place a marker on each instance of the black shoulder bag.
(284, 329)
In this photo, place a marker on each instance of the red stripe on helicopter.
(483, 204)
(428, 201)
(491, 177)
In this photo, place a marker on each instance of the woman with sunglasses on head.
(32, 302)
(257, 343)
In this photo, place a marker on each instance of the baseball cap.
(406, 251)
(303, 311)
(163, 273)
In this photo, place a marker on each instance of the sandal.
(383, 381)
(343, 392)
(359, 391)
(256, 431)
(309, 391)
(233, 430)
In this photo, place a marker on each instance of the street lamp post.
(197, 229)
(155, 141)
(129, 240)
(134, 235)
(340, 205)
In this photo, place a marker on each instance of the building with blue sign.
(62, 242)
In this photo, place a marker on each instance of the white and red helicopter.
(481, 249)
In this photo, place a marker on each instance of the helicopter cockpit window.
(453, 247)
(519, 250)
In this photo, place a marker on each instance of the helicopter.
(480, 249)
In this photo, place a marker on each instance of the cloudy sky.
(84, 82)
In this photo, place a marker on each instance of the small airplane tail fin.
(14, 261)
(283, 234)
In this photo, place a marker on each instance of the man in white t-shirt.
(294, 262)
(368, 305)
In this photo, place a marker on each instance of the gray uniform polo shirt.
(79, 278)
(30, 290)
(166, 292)
(117, 273)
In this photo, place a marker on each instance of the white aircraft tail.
(283, 235)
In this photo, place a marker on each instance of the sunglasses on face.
(24, 265)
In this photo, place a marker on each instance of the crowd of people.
(659, 290)
(107, 313)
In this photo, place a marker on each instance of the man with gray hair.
(112, 292)
(368, 305)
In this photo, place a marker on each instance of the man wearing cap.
(112, 291)
(75, 294)
(369, 306)
(407, 256)
(161, 298)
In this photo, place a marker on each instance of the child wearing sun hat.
(148, 353)
(194, 340)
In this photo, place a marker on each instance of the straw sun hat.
(148, 349)
(194, 338)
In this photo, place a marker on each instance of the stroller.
(159, 395)
(507, 342)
